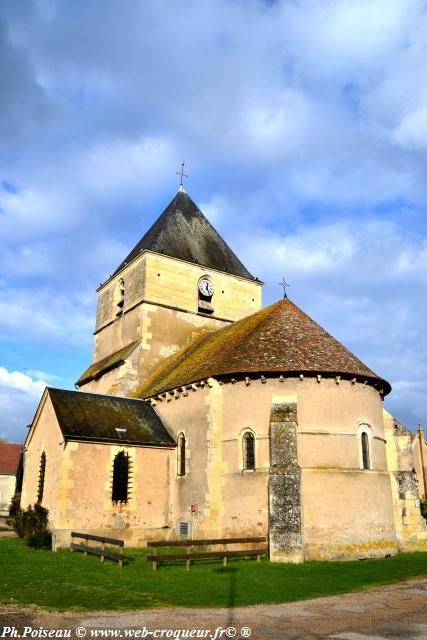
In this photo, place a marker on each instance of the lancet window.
(248, 451)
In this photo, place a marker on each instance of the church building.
(204, 414)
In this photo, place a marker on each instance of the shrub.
(40, 540)
(423, 507)
(15, 505)
(31, 521)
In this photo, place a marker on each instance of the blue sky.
(304, 127)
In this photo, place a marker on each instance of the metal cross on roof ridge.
(181, 173)
(284, 284)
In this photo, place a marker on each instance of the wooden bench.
(98, 551)
(225, 553)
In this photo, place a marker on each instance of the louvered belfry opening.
(122, 468)
(249, 451)
(42, 473)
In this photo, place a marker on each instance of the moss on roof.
(106, 364)
(280, 338)
(91, 416)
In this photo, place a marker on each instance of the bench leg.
(154, 566)
(224, 562)
(258, 558)
(120, 562)
(188, 564)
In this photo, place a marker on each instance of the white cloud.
(21, 381)
(304, 143)
(47, 317)
(19, 396)
(412, 130)
(42, 375)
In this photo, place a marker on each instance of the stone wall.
(410, 526)
(419, 454)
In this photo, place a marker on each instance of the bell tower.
(179, 278)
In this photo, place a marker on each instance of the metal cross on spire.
(284, 284)
(182, 175)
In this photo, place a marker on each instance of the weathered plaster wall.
(45, 436)
(346, 510)
(190, 414)
(78, 483)
(87, 480)
(7, 491)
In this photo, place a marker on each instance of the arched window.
(181, 466)
(120, 296)
(248, 451)
(121, 476)
(42, 472)
(365, 450)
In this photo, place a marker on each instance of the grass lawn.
(66, 580)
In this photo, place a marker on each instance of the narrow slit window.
(121, 297)
(42, 473)
(365, 451)
(181, 455)
(249, 451)
(121, 477)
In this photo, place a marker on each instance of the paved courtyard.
(392, 612)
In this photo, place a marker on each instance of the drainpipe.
(421, 440)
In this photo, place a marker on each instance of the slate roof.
(106, 364)
(182, 231)
(280, 338)
(10, 455)
(95, 417)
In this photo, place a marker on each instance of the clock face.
(206, 287)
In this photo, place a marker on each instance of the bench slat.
(89, 536)
(207, 554)
(196, 543)
(96, 551)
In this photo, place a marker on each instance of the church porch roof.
(101, 418)
(279, 339)
(112, 361)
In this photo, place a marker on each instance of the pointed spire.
(183, 232)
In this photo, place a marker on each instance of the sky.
(303, 124)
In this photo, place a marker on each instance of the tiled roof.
(9, 458)
(182, 231)
(280, 338)
(91, 416)
(106, 364)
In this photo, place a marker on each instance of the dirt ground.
(395, 611)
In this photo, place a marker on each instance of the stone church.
(205, 415)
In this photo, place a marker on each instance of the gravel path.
(392, 612)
